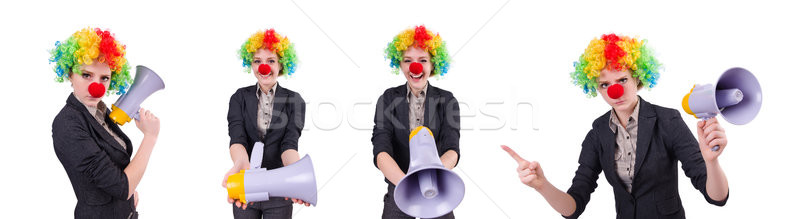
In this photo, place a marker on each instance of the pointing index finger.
(512, 154)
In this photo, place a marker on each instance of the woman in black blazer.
(419, 54)
(636, 144)
(266, 113)
(93, 150)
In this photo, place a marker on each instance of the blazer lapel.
(647, 121)
(95, 125)
(251, 110)
(608, 142)
(402, 113)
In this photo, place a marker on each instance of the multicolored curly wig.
(618, 52)
(424, 39)
(87, 45)
(275, 43)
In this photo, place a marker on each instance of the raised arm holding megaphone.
(146, 83)
(736, 97)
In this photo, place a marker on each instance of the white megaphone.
(737, 97)
(429, 189)
(127, 106)
(258, 184)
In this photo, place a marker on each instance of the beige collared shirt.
(265, 104)
(99, 113)
(625, 155)
(416, 107)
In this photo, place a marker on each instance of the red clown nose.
(264, 69)
(96, 89)
(415, 68)
(615, 91)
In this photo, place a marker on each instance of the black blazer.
(288, 119)
(94, 162)
(390, 133)
(663, 140)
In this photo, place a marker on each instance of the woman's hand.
(449, 159)
(148, 123)
(298, 201)
(237, 167)
(530, 173)
(239, 204)
(710, 134)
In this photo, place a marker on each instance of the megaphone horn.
(736, 96)
(294, 181)
(127, 106)
(429, 189)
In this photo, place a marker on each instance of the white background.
(508, 56)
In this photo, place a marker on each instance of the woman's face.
(415, 54)
(628, 100)
(264, 56)
(96, 72)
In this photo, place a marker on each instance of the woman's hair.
(424, 39)
(618, 52)
(89, 44)
(275, 43)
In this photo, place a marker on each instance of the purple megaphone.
(259, 184)
(429, 189)
(146, 83)
(736, 96)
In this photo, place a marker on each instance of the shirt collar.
(614, 121)
(271, 90)
(100, 108)
(422, 93)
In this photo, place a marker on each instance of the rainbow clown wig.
(619, 53)
(275, 43)
(424, 39)
(86, 46)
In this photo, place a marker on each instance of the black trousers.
(266, 209)
(391, 211)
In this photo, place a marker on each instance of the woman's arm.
(717, 182)
(698, 161)
(78, 152)
(238, 151)
(709, 134)
(239, 157)
(296, 115)
(389, 168)
(382, 146)
(572, 203)
(289, 157)
(451, 133)
(150, 126)
(531, 174)
(559, 200)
